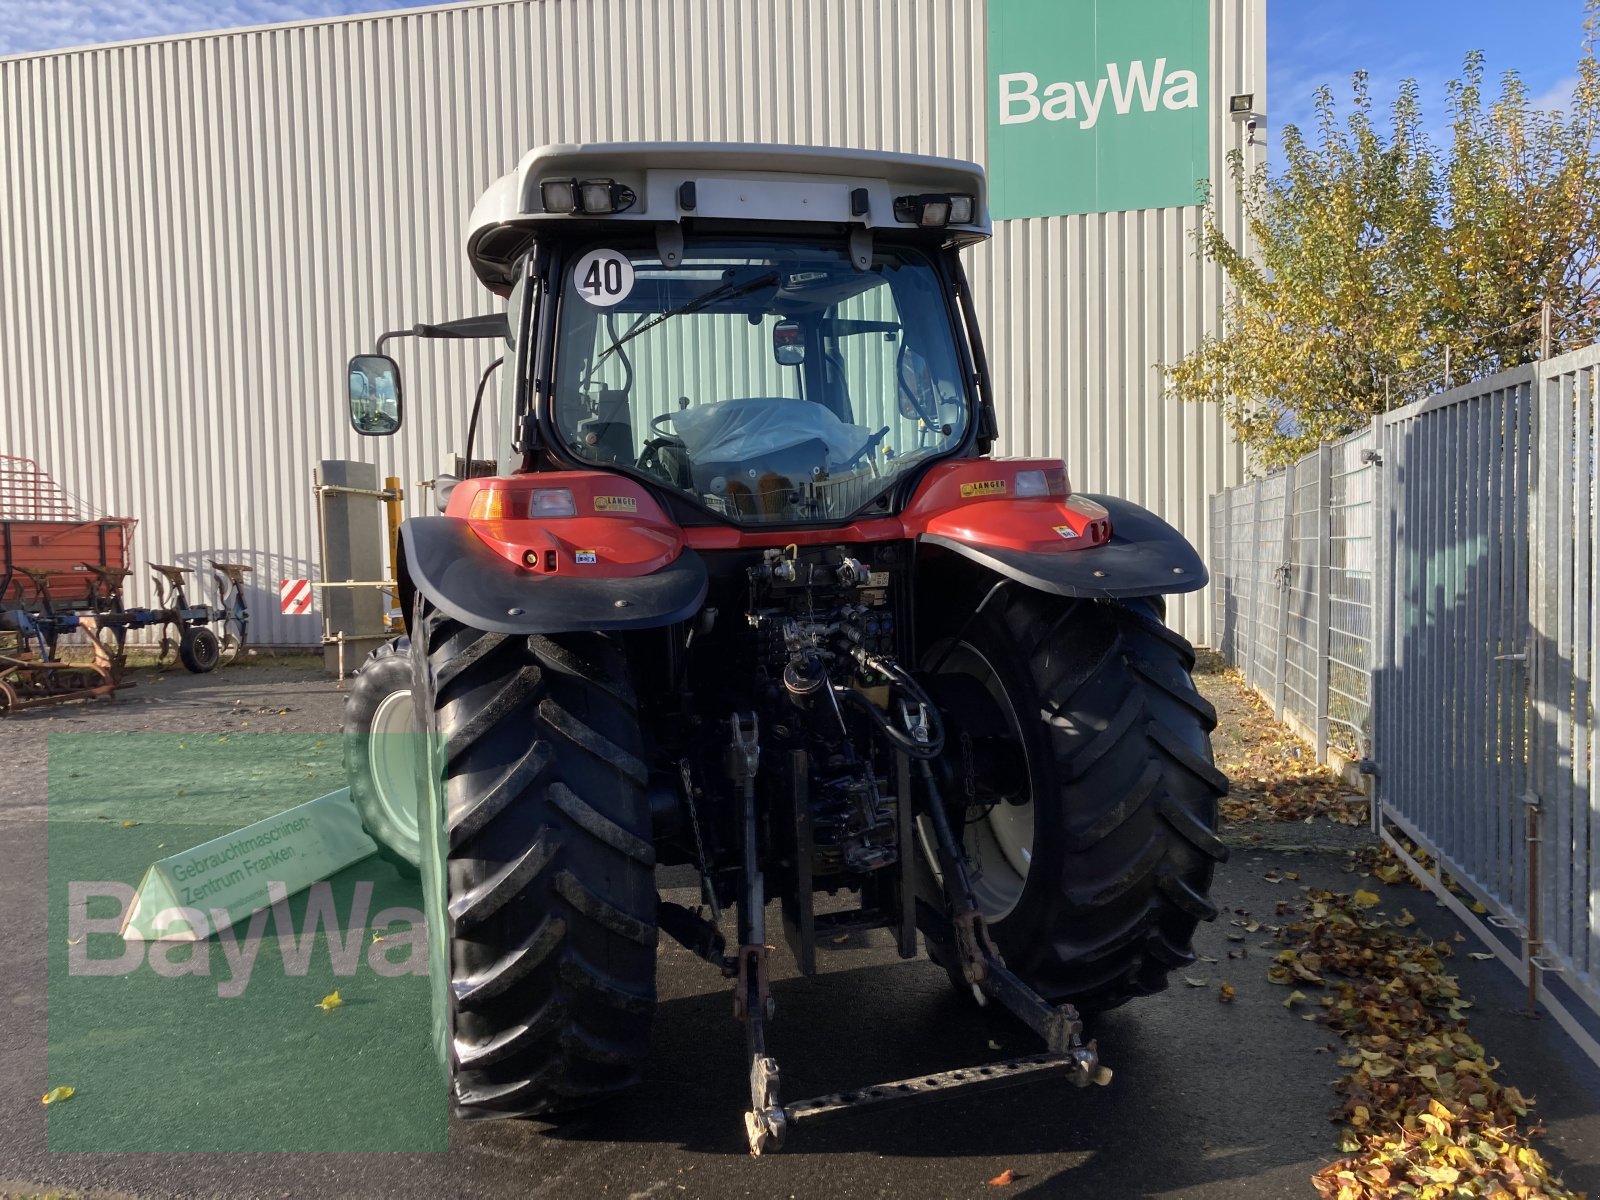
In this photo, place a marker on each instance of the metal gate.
(1427, 595)
(1483, 708)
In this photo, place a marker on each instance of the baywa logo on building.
(394, 942)
(1130, 87)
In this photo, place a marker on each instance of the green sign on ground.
(232, 1042)
(1098, 105)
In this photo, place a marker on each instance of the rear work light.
(936, 209)
(559, 195)
(596, 197)
(1047, 481)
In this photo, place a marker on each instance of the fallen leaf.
(1479, 907)
(330, 1002)
(1004, 1179)
(376, 937)
(57, 1094)
(1225, 993)
(1364, 899)
(129, 824)
(994, 1045)
(1193, 982)
(1480, 955)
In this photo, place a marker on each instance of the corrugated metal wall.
(195, 232)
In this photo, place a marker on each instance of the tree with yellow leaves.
(1376, 267)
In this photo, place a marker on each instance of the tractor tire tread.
(1131, 844)
(549, 867)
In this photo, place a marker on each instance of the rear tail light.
(546, 503)
(1046, 481)
(489, 505)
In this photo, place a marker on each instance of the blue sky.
(1310, 42)
(1315, 42)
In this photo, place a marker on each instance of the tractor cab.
(766, 335)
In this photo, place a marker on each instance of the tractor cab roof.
(669, 182)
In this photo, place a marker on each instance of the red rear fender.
(983, 502)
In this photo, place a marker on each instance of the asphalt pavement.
(1209, 1099)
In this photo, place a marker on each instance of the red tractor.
(746, 592)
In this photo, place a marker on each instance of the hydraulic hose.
(931, 748)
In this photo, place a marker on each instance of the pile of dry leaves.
(1274, 775)
(1424, 1114)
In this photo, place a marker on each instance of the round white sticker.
(603, 277)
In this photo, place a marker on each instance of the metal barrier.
(1434, 611)
(1292, 583)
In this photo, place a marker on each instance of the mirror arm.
(477, 406)
(383, 338)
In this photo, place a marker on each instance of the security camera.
(1250, 127)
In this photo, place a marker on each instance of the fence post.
(1324, 593)
(1251, 675)
(1282, 575)
(1385, 545)
(1219, 568)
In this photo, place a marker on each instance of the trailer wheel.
(199, 649)
(537, 866)
(379, 759)
(1093, 876)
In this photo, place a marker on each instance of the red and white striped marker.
(294, 595)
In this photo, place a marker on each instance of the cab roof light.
(936, 209)
(559, 195)
(595, 197)
(605, 196)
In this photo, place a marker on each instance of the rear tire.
(379, 762)
(1124, 799)
(538, 870)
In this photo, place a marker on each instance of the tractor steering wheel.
(659, 424)
(867, 448)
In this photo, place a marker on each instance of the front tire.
(379, 759)
(538, 870)
(1093, 885)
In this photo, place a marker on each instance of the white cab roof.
(732, 181)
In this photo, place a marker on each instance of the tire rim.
(392, 762)
(1000, 842)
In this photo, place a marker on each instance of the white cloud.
(51, 24)
(1557, 97)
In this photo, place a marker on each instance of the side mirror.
(788, 343)
(374, 395)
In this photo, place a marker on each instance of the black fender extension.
(1145, 557)
(443, 559)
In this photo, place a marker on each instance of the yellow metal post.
(391, 505)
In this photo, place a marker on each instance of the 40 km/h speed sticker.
(603, 277)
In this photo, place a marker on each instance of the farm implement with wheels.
(748, 592)
(62, 571)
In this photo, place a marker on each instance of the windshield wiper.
(725, 291)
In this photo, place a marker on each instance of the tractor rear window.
(771, 382)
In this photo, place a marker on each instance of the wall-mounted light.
(1243, 108)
